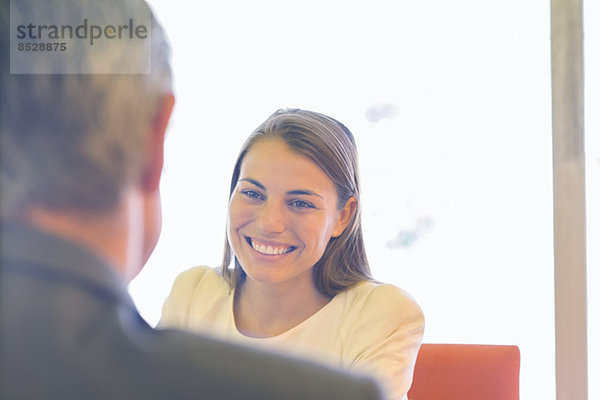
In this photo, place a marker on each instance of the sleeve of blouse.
(176, 308)
(386, 337)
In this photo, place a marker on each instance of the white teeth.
(270, 250)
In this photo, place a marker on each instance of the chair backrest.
(466, 372)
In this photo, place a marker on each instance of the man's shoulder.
(233, 370)
(77, 344)
(184, 365)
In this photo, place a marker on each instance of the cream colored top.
(371, 327)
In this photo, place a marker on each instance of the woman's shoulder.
(198, 286)
(374, 293)
(198, 273)
(201, 277)
(382, 332)
(374, 300)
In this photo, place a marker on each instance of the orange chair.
(466, 372)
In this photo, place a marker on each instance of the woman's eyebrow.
(254, 182)
(304, 192)
(297, 192)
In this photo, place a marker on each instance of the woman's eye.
(301, 204)
(251, 194)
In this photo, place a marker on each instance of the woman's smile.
(266, 248)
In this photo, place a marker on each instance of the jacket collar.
(26, 250)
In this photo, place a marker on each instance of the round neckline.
(282, 334)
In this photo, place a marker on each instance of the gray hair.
(74, 140)
(331, 146)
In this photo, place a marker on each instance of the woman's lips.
(269, 249)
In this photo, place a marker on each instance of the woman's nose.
(271, 218)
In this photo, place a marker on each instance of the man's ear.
(156, 142)
(344, 217)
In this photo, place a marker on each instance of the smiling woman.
(318, 155)
(300, 280)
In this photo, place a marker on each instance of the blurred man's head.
(76, 140)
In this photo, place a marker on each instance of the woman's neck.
(266, 309)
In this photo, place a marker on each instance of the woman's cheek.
(240, 212)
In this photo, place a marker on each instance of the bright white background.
(451, 109)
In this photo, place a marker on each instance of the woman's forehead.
(272, 161)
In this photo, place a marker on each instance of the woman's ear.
(156, 141)
(344, 217)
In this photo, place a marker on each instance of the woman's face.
(282, 214)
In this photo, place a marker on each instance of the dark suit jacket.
(69, 330)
